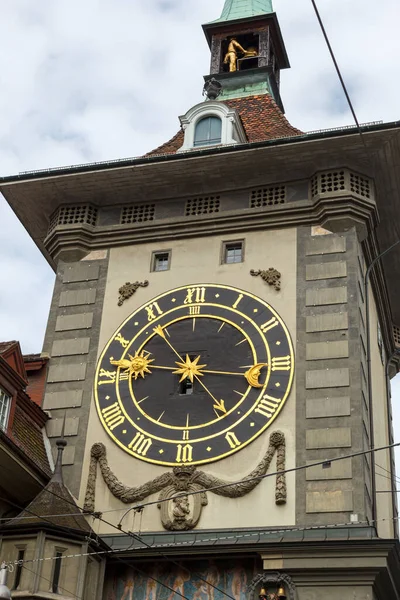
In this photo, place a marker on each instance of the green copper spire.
(243, 9)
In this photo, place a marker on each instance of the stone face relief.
(183, 491)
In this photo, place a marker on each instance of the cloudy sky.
(91, 80)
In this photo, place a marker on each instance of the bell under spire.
(244, 9)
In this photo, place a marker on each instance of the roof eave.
(208, 151)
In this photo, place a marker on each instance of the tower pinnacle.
(243, 9)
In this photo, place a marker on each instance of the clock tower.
(221, 338)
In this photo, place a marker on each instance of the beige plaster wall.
(381, 436)
(196, 261)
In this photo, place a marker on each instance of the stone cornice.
(83, 238)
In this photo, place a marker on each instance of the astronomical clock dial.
(194, 375)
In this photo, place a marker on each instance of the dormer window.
(211, 123)
(208, 131)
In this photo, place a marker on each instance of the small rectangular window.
(18, 569)
(161, 261)
(5, 403)
(233, 252)
(56, 573)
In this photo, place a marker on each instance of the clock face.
(194, 375)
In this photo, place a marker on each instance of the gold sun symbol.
(136, 366)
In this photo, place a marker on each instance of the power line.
(49, 581)
(134, 536)
(215, 539)
(139, 538)
(339, 74)
(325, 462)
(396, 477)
(68, 531)
(143, 542)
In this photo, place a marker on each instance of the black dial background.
(217, 350)
(227, 339)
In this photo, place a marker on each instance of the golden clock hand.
(160, 331)
(252, 375)
(219, 405)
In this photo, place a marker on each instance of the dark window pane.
(161, 262)
(233, 253)
(18, 570)
(208, 132)
(56, 573)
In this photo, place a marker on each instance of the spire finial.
(61, 443)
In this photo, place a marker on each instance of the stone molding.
(344, 210)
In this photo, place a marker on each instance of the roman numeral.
(110, 375)
(232, 440)
(152, 309)
(186, 435)
(267, 406)
(113, 416)
(124, 376)
(194, 310)
(195, 295)
(119, 338)
(238, 301)
(184, 453)
(269, 325)
(140, 444)
(282, 363)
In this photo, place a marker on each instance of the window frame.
(5, 395)
(153, 263)
(225, 248)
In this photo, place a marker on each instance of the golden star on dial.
(189, 369)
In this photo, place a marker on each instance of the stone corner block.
(329, 270)
(332, 437)
(81, 272)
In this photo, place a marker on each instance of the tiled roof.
(54, 499)
(34, 358)
(261, 118)
(54, 505)
(29, 438)
(6, 345)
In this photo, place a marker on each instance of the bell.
(263, 595)
(281, 595)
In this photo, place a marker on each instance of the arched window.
(208, 131)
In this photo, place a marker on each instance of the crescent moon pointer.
(253, 374)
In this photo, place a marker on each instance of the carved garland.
(183, 512)
(127, 290)
(274, 578)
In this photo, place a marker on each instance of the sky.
(92, 80)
